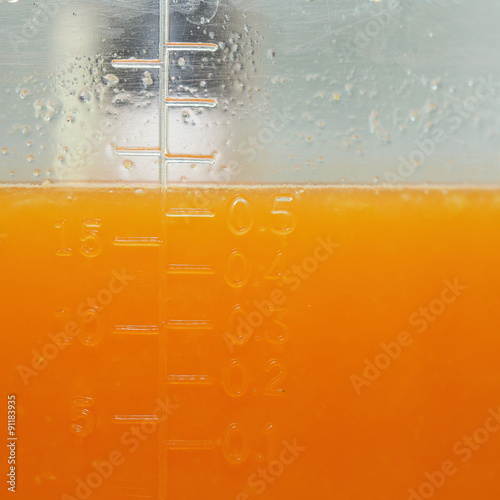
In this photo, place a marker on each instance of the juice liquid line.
(268, 342)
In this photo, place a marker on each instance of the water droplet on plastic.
(122, 99)
(84, 96)
(128, 164)
(147, 80)
(110, 79)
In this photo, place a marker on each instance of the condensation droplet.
(147, 80)
(110, 79)
(181, 62)
(84, 96)
(128, 164)
(36, 172)
(5, 151)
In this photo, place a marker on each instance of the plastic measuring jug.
(249, 249)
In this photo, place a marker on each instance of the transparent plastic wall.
(345, 91)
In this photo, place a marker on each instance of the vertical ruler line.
(164, 35)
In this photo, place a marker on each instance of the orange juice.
(274, 342)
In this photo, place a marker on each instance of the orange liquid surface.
(276, 342)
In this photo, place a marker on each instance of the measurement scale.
(187, 443)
